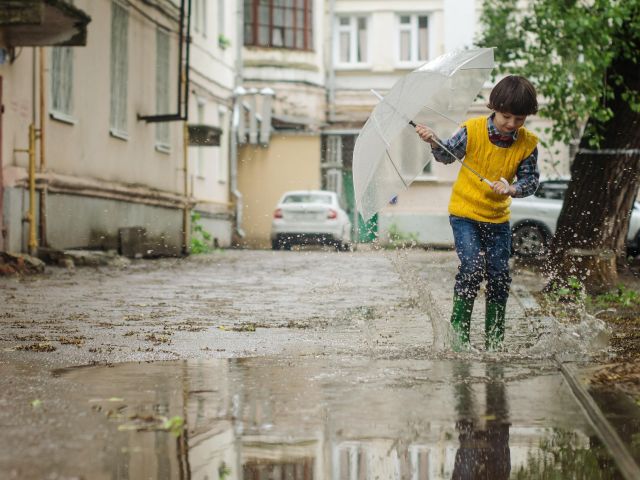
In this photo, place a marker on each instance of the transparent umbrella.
(388, 154)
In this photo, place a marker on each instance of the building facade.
(283, 65)
(113, 166)
(373, 44)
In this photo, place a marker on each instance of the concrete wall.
(212, 81)
(291, 162)
(87, 222)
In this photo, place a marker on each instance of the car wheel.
(529, 241)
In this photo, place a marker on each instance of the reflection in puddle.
(341, 419)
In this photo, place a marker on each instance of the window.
(278, 23)
(119, 69)
(351, 40)
(413, 44)
(162, 87)
(221, 14)
(62, 81)
(351, 461)
(200, 17)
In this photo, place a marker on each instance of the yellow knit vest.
(472, 198)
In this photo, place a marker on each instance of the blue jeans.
(484, 250)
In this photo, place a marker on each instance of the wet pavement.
(300, 365)
(303, 418)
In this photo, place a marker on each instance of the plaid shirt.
(528, 175)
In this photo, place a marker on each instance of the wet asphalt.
(304, 364)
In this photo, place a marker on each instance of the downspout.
(43, 163)
(186, 213)
(331, 80)
(31, 214)
(235, 119)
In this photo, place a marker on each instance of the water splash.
(441, 328)
(569, 341)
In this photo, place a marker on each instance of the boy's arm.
(528, 176)
(457, 145)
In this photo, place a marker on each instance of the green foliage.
(201, 240)
(570, 291)
(621, 296)
(174, 425)
(223, 42)
(567, 48)
(223, 471)
(400, 239)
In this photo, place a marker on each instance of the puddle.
(335, 418)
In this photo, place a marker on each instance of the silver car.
(310, 217)
(534, 220)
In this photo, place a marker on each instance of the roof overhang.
(38, 23)
(204, 135)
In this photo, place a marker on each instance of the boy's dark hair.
(514, 94)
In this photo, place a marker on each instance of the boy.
(496, 147)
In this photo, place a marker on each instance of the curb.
(625, 462)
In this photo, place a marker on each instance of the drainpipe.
(43, 162)
(331, 77)
(186, 211)
(235, 120)
(238, 92)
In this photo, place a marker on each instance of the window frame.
(251, 24)
(163, 89)
(352, 30)
(119, 58)
(414, 30)
(62, 69)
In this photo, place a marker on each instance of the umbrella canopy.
(388, 154)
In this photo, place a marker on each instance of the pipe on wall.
(235, 121)
(43, 161)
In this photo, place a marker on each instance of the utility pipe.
(31, 216)
(32, 242)
(186, 212)
(235, 119)
(43, 162)
(233, 154)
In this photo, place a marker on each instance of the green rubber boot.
(461, 321)
(494, 324)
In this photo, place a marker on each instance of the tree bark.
(593, 224)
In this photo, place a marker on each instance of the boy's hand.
(502, 187)
(427, 135)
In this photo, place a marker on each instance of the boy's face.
(508, 122)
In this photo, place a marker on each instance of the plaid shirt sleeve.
(457, 145)
(528, 176)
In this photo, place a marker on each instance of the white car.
(534, 220)
(305, 217)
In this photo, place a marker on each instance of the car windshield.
(316, 198)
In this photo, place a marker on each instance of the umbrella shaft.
(488, 182)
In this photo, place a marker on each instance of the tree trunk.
(594, 220)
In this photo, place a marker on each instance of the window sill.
(409, 65)
(163, 148)
(63, 118)
(119, 134)
(352, 66)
